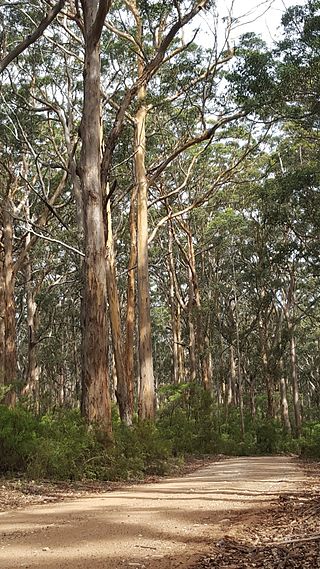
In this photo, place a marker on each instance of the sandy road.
(164, 525)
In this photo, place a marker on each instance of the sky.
(260, 16)
(263, 16)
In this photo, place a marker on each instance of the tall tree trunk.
(173, 311)
(265, 367)
(239, 370)
(207, 364)
(192, 334)
(147, 387)
(115, 321)
(295, 382)
(96, 397)
(252, 397)
(131, 298)
(283, 399)
(289, 310)
(174, 328)
(10, 358)
(231, 395)
(2, 320)
(177, 304)
(181, 354)
(31, 388)
(195, 309)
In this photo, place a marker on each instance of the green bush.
(18, 439)
(64, 444)
(310, 441)
(54, 446)
(60, 446)
(187, 419)
(267, 437)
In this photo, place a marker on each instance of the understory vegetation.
(58, 445)
(159, 236)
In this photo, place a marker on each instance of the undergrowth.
(59, 446)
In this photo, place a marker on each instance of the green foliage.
(54, 446)
(187, 419)
(252, 79)
(310, 444)
(60, 446)
(64, 445)
(136, 452)
(18, 439)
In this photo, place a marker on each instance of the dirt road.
(164, 525)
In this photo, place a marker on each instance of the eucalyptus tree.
(9, 55)
(37, 181)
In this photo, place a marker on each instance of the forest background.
(159, 259)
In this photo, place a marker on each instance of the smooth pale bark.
(96, 403)
(131, 298)
(177, 304)
(174, 328)
(193, 309)
(265, 367)
(31, 388)
(207, 364)
(115, 321)
(231, 397)
(206, 328)
(147, 387)
(192, 334)
(181, 354)
(147, 399)
(284, 408)
(240, 382)
(295, 383)
(199, 363)
(196, 293)
(252, 398)
(289, 310)
(234, 307)
(10, 358)
(173, 311)
(61, 394)
(283, 399)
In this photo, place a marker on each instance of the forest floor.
(260, 512)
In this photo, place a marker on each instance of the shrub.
(187, 419)
(18, 439)
(64, 444)
(60, 446)
(267, 435)
(310, 442)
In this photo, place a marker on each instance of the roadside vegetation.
(59, 446)
(159, 237)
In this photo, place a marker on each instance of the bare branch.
(206, 135)
(150, 69)
(52, 240)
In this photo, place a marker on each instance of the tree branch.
(206, 135)
(149, 70)
(96, 30)
(29, 40)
